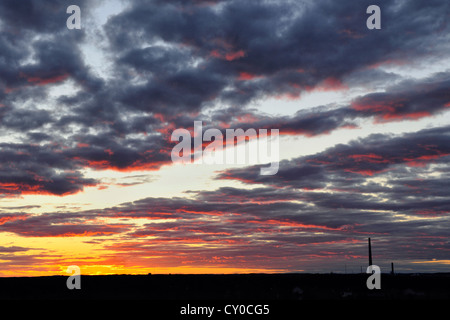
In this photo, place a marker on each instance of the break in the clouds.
(76, 105)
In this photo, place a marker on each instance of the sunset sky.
(86, 117)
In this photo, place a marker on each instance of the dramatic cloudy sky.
(86, 116)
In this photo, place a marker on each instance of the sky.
(86, 118)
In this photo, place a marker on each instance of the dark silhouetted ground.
(248, 287)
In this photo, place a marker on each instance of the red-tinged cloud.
(135, 166)
(422, 161)
(59, 225)
(5, 218)
(245, 76)
(406, 101)
(44, 81)
(413, 116)
(35, 170)
(287, 223)
(229, 56)
(371, 157)
(329, 84)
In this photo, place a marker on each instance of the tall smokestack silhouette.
(370, 254)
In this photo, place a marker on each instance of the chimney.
(370, 254)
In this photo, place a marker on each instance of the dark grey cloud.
(38, 170)
(22, 120)
(36, 16)
(287, 45)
